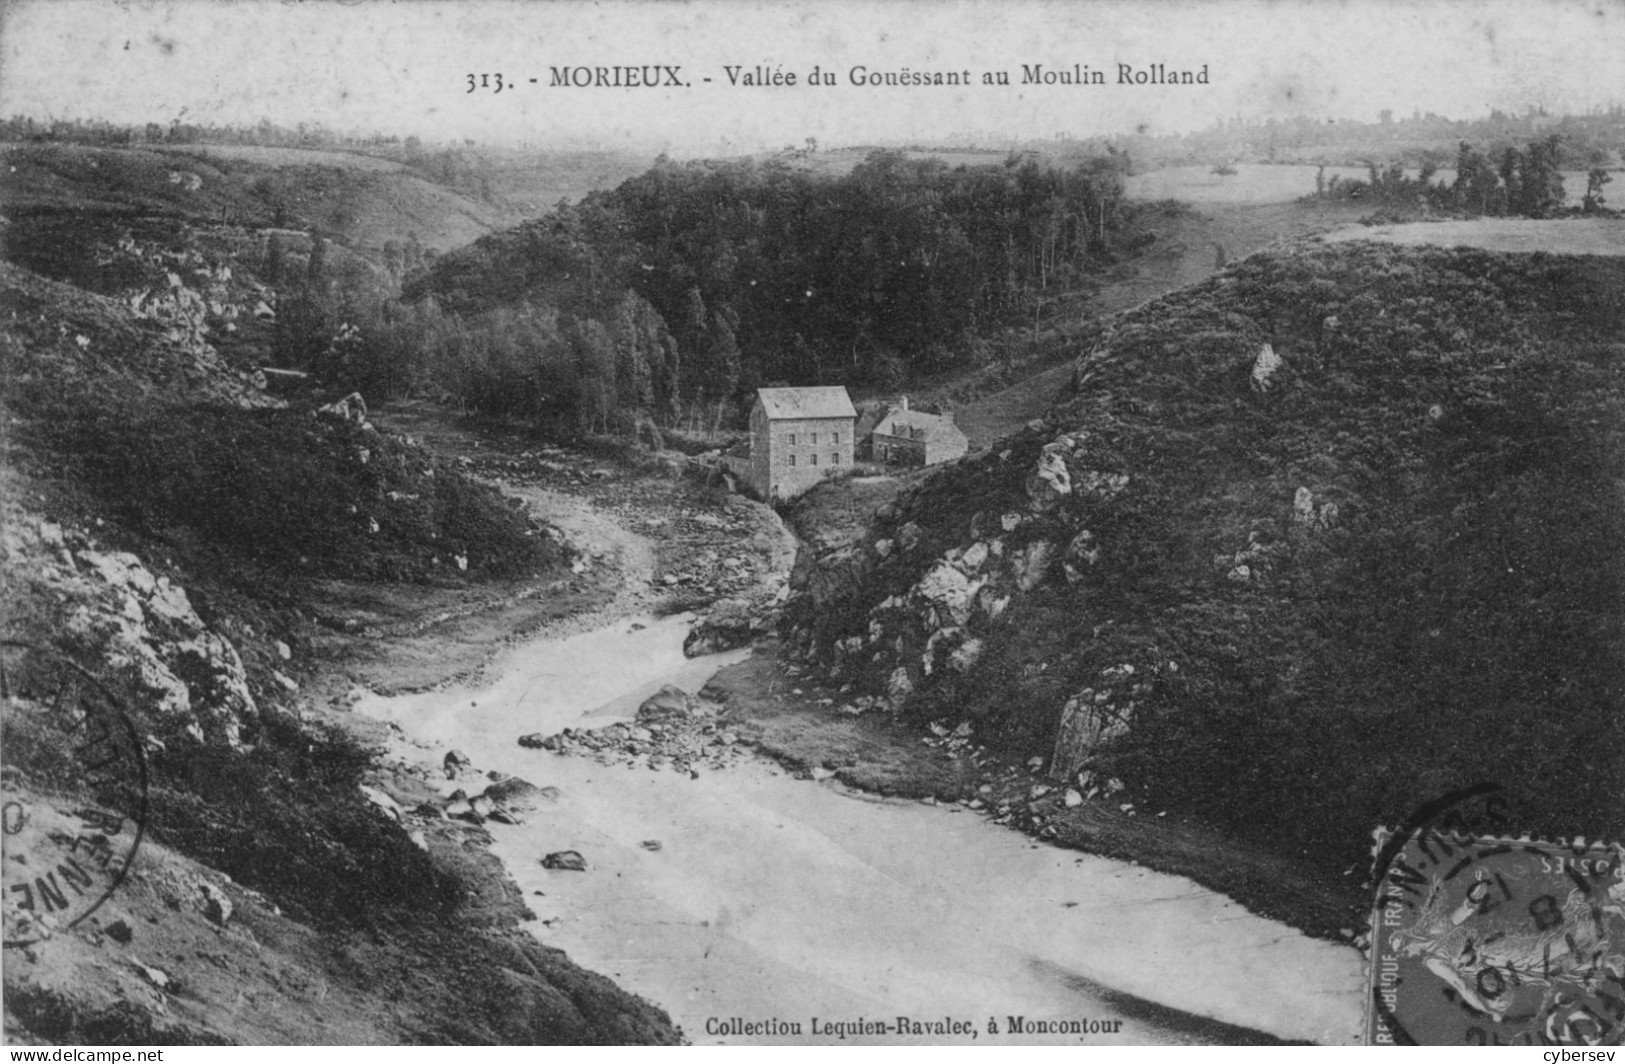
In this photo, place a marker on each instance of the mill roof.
(916, 424)
(782, 403)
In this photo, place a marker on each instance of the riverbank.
(788, 713)
(801, 876)
(774, 895)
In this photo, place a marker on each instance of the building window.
(812, 459)
(835, 438)
(792, 459)
(813, 439)
(792, 439)
(835, 458)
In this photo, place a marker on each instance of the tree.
(273, 260)
(1595, 179)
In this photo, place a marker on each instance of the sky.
(403, 67)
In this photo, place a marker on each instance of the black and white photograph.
(825, 523)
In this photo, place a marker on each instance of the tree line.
(678, 293)
(1526, 183)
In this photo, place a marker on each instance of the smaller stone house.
(798, 436)
(912, 437)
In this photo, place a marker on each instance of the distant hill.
(363, 200)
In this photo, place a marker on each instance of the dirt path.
(1187, 251)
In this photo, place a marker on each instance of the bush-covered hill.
(365, 202)
(161, 525)
(1299, 596)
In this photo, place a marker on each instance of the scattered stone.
(565, 861)
(899, 688)
(1049, 482)
(650, 844)
(382, 801)
(455, 762)
(1265, 367)
(283, 650)
(513, 792)
(119, 931)
(156, 976)
(217, 907)
(1073, 799)
(351, 408)
(732, 623)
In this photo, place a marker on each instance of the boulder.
(1088, 720)
(217, 906)
(565, 861)
(455, 762)
(1265, 367)
(1081, 555)
(1049, 483)
(965, 657)
(899, 688)
(383, 801)
(351, 408)
(1031, 563)
(513, 792)
(949, 590)
(732, 623)
(1303, 506)
(669, 703)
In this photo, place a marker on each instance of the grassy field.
(1556, 236)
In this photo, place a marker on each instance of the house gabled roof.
(782, 403)
(932, 427)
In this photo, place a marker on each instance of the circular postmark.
(73, 794)
(1480, 938)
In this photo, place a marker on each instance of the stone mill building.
(797, 437)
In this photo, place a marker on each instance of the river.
(773, 901)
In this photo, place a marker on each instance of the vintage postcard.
(813, 523)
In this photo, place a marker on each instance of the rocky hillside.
(1308, 545)
(241, 865)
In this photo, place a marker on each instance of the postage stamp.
(1488, 940)
(69, 829)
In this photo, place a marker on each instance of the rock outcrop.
(1230, 544)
